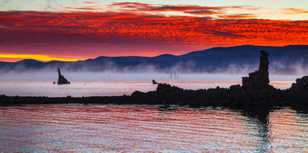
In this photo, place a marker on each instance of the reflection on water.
(112, 128)
(288, 131)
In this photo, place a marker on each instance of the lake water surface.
(116, 84)
(132, 128)
(113, 128)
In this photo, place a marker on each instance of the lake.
(113, 128)
(117, 84)
(132, 128)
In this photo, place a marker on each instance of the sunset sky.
(72, 30)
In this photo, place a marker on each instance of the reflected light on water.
(112, 128)
(288, 131)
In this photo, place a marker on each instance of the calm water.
(106, 87)
(112, 128)
(112, 84)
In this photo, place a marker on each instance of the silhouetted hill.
(288, 59)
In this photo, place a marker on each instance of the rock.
(61, 79)
(137, 93)
(301, 84)
(256, 86)
(168, 90)
(298, 93)
(154, 82)
(259, 79)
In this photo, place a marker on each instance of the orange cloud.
(238, 16)
(296, 11)
(44, 58)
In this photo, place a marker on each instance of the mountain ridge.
(286, 59)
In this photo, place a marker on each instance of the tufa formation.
(259, 79)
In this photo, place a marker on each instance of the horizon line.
(47, 58)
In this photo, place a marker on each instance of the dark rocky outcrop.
(300, 85)
(256, 85)
(61, 79)
(299, 92)
(154, 82)
(259, 79)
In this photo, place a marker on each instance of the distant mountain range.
(288, 59)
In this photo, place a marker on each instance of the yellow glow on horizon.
(44, 58)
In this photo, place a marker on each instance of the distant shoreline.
(171, 95)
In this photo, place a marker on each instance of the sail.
(61, 79)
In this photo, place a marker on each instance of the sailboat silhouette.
(61, 79)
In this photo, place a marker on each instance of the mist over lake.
(117, 83)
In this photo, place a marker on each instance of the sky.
(71, 30)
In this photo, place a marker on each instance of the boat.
(61, 79)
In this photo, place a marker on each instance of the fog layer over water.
(117, 83)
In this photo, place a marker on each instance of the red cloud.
(90, 34)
